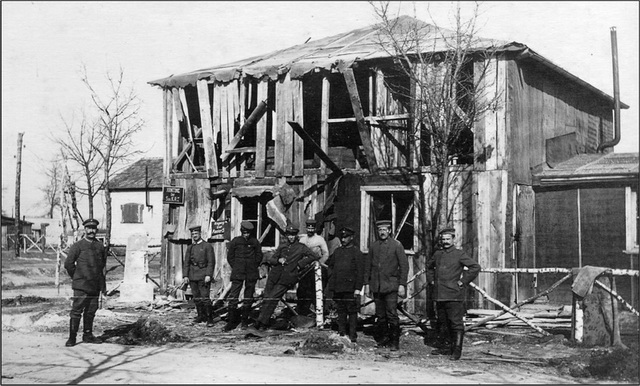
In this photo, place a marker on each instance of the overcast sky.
(45, 44)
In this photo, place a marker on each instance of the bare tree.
(51, 189)
(118, 120)
(450, 95)
(77, 145)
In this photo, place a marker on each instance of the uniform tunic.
(386, 266)
(85, 264)
(199, 261)
(244, 256)
(347, 270)
(445, 268)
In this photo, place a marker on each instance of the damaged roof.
(342, 50)
(133, 177)
(591, 168)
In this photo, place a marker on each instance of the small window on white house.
(395, 203)
(132, 213)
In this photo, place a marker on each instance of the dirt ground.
(158, 343)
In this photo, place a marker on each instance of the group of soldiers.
(347, 274)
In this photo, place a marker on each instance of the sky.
(46, 44)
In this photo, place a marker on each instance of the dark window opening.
(254, 209)
(395, 206)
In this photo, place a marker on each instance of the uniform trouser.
(386, 308)
(236, 288)
(270, 300)
(345, 305)
(451, 314)
(306, 292)
(201, 291)
(84, 304)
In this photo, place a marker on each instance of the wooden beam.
(324, 120)
(210, 156)
(239, 150)
(261, 134)
(184, 151)
(297, 115)
(168, 126)
(385, 129)
(257, 113)
(365, 137)
(314, 146)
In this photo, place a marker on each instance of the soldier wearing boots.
(385, 276)
(197, 271)
(346, 267)
(445, 272)
(244, 256)
(286, 264)
(85, 264)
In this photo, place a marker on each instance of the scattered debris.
(144, 331)
(321, 344)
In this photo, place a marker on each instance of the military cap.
(291, 230)
(311, 221)
(448, 231)
(90, 223)
(247, 225)
(345, 231)
(383, 223)
(195, 228)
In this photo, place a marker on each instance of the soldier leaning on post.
(197, 271)
(445, 272)
(346, 267)
(286, 264)
(244, 256)
(85, 263)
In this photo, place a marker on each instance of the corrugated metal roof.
(591, 168)
(133, 177)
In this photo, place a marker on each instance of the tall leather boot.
(232, 319)
(244, 316)
(74, 326)
(200, 317)
(395, 338)
(87, 331)
(342, 323)
(353, 326)
(446, 346)
(208, 311)
(384, 337)
(457, 347)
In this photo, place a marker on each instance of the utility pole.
(18, 170)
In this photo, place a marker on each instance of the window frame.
(237, 206)
(140, 213)
(365, 209)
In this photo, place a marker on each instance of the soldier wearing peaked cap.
(286, 263)
(197, 270)
(244, 255)
(85, 263)
(448, 279)
(346, 267)
(306, 291)
(385, 277)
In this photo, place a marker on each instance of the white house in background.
(51, 228)
(136, 199)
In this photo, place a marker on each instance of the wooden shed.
(317, 129)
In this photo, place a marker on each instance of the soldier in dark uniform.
(197, 270)
(286, 262)
(385, 276)
(85, 263)
(346, 267)
(445, 271)
(244, 256)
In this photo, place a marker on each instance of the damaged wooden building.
(317, 131)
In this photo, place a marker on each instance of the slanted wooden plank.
(240, 150)
(210, 156)
(261, 134)
(362, 126)
(288, 133)
(324, 120)
(298, 116)
(224, 132)
(168, 133)
(380, 148)
(314, 146)
(257, 114)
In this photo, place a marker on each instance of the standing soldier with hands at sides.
(244, 255)
(445, 272)
(85, 263)
(197, 271)
(346, 265)
(385, 276)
